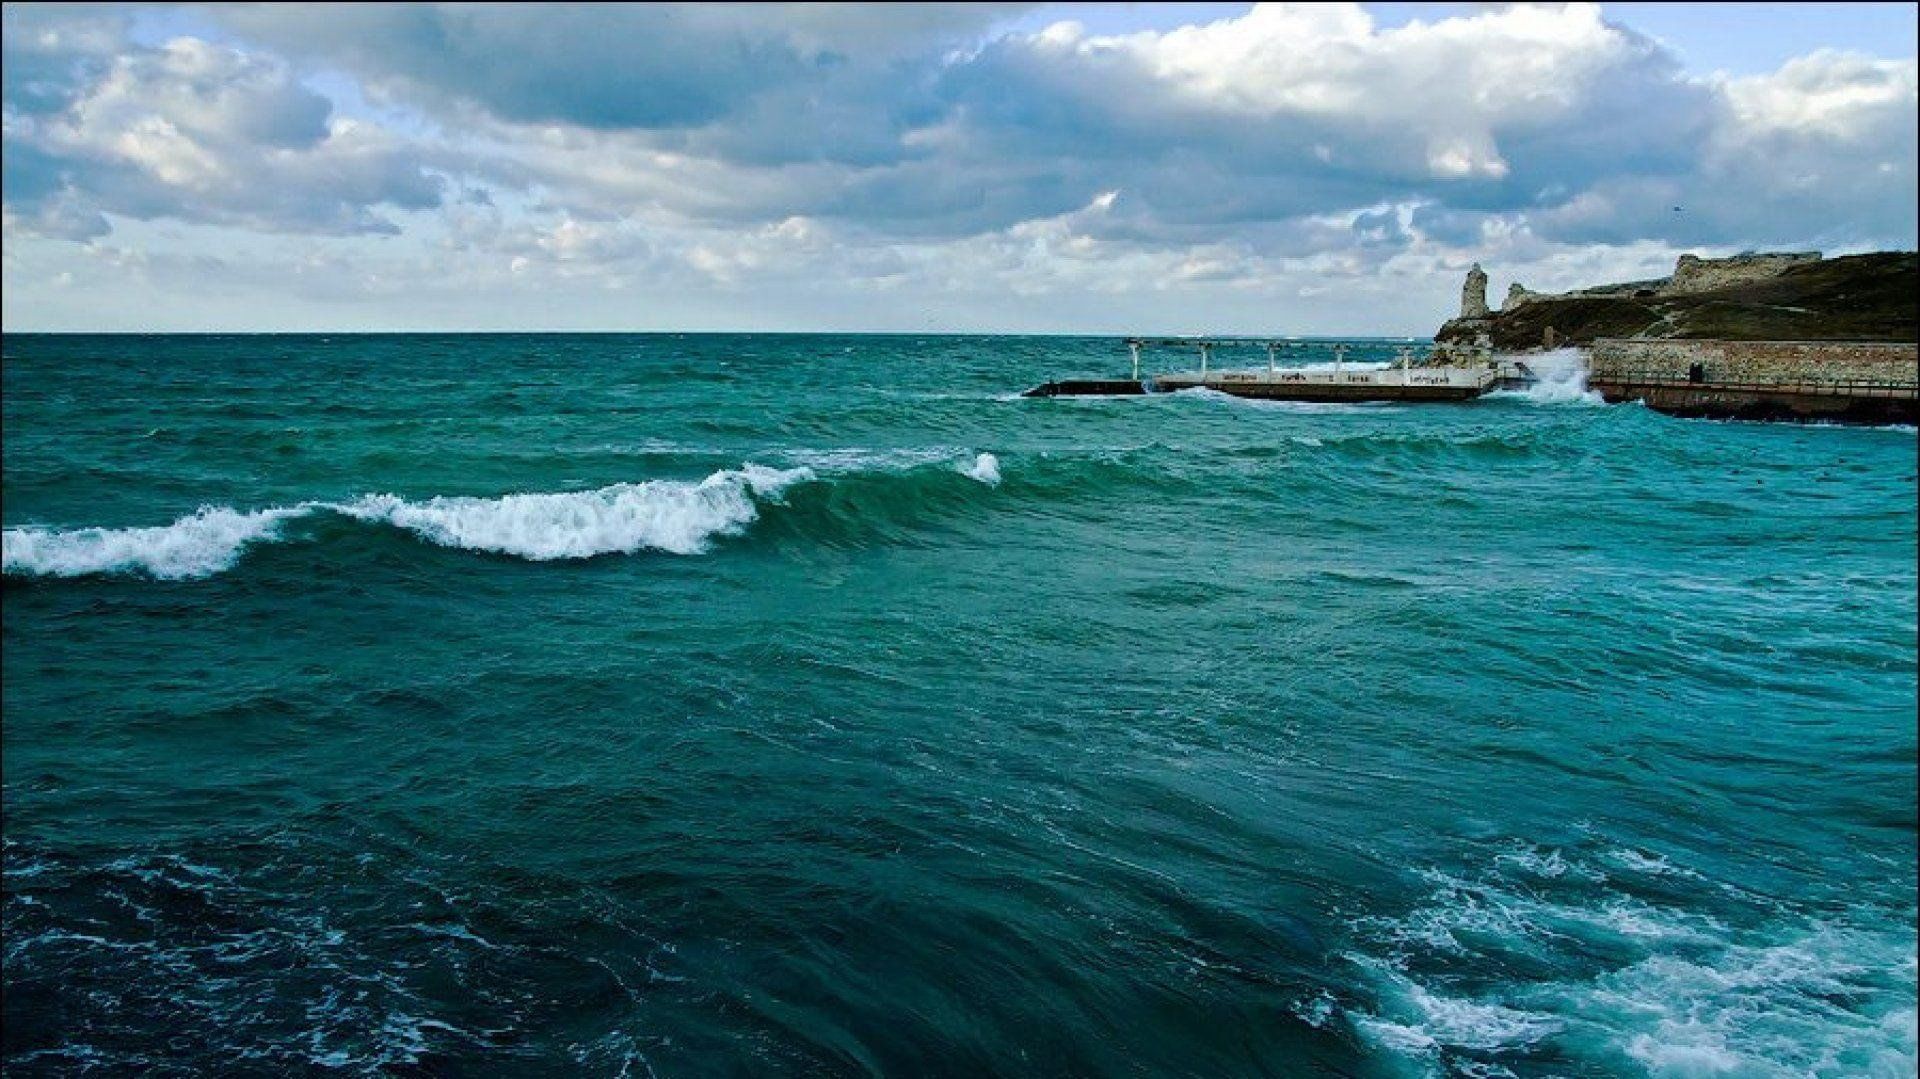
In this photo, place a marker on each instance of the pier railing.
(1274, 347)
(1808, 368)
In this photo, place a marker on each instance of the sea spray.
(1560, 378)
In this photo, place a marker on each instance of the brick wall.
(1756, 361)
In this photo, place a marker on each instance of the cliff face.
(1794, 298)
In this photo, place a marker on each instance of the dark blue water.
(714, 705)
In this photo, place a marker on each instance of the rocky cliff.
(1796, 297)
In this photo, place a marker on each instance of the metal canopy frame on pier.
(1274, 346)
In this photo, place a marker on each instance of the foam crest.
(198, 545)
(665, 515)
(675, 516)
(985, 468)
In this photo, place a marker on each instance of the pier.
(1336, 382)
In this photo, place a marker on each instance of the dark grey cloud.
(607, 67)
(669, 67)
(49, 52)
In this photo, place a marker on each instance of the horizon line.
(712, 333)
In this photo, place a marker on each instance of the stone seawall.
(1834, 381)
(1757, 361)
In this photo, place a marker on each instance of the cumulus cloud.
(926, 149)
(194, 131)
(765, 81)
(1821, 151)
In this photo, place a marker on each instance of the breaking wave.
(662, 515)
(197, 545)
(678, 517)
(1560, 379)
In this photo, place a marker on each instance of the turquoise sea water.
(747, 705)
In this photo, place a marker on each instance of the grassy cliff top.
(1854, 298)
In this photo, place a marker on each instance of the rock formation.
(1473, 294)
(1783, 296)
(1467, 338)
(1693, 274)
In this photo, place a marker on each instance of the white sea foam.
(1684, 995)
(665, 515)
(1561, 379)
(1423, 1021)
(1655, 865)
(1316, 1012)
(198, 545)
(1789, 1007)
(985, 468)
(1535, 861)
(864, 459)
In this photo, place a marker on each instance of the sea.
(749, 705)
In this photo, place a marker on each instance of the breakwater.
(1337, 381)
(1843, 381)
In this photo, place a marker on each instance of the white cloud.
(816, 155)
(204, 132)
(1833, 94)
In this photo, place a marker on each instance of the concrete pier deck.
(1333, 382)
(1411, 384)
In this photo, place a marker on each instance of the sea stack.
(1473, 294)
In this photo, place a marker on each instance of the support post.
(1206, 353)
(1270, 347)
(1134, 347)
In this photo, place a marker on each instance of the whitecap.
(198, 545)
(985, 468)
(675, 516)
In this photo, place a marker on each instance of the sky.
(1020, 168)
